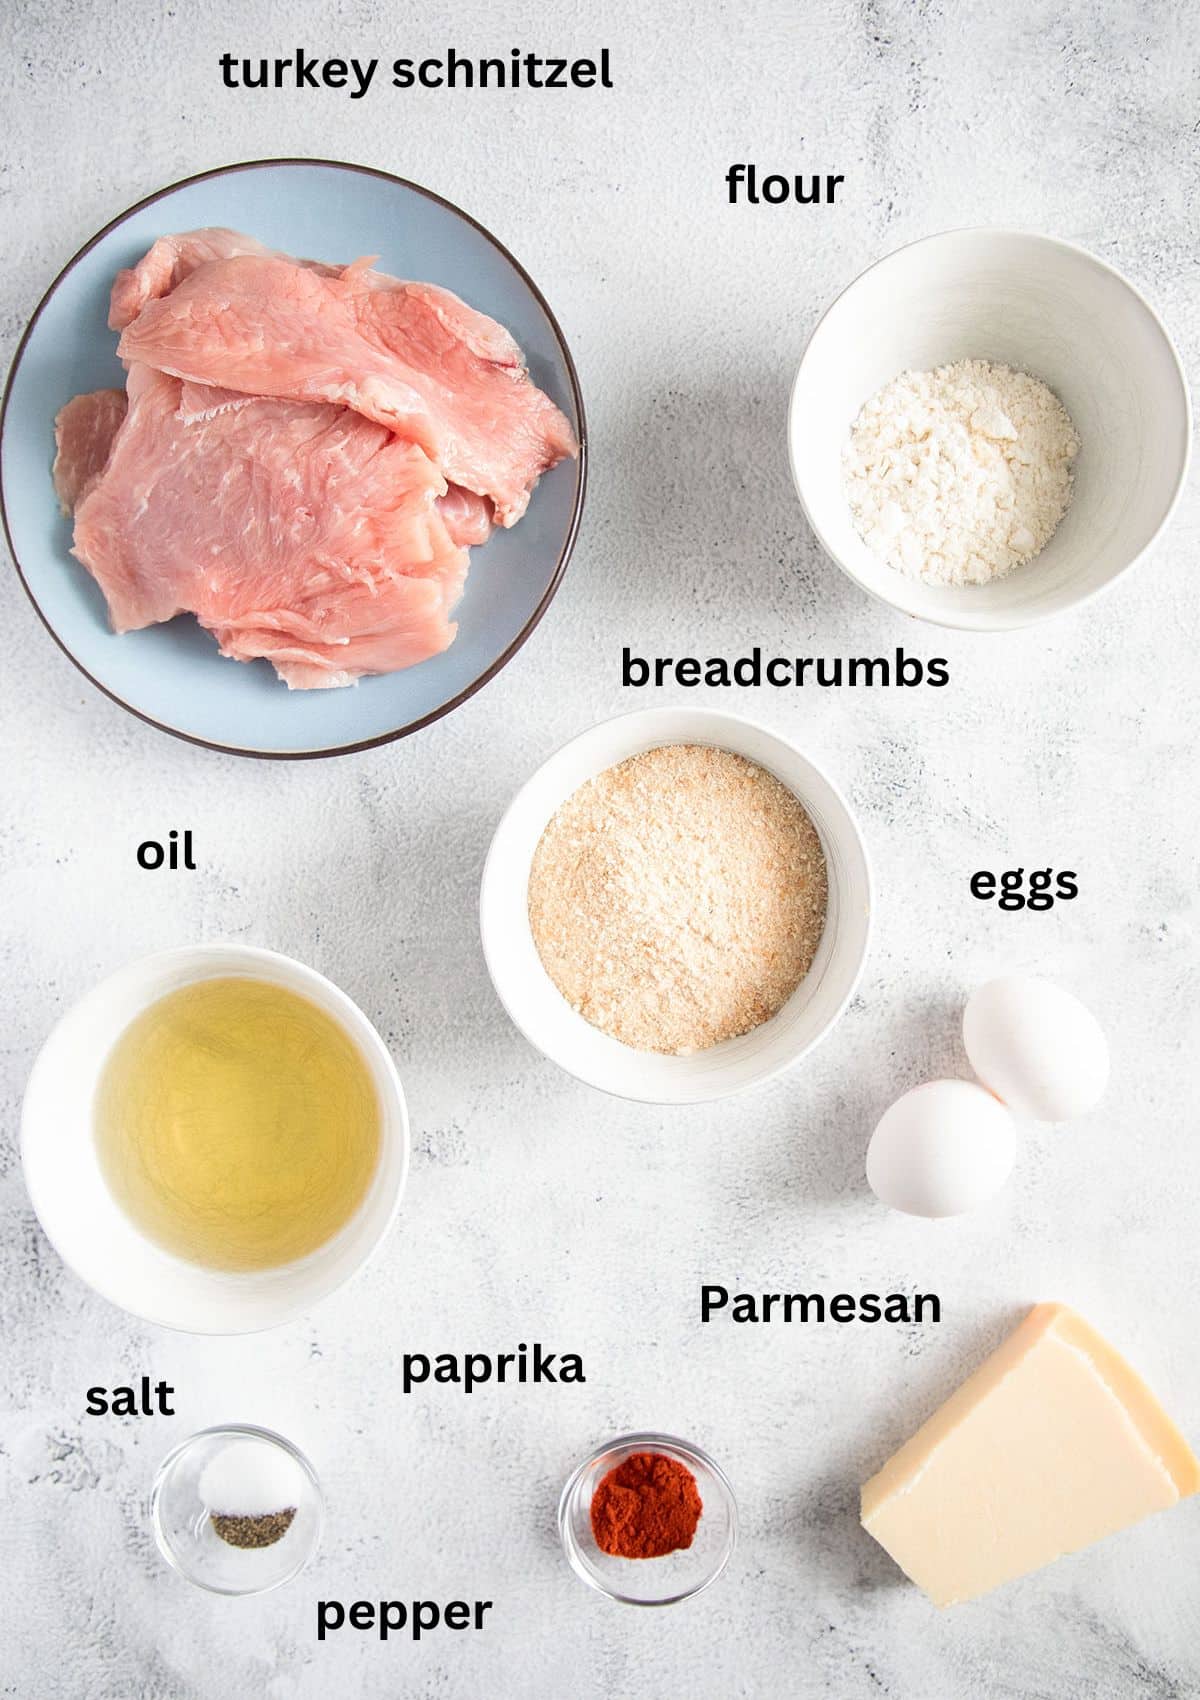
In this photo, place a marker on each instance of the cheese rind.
(1052, 1444)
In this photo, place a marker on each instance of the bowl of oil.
(214, 1138)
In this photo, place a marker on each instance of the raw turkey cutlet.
(83, 437)
(167, 263)
(358, 578)
(301, 458)
(408, 355)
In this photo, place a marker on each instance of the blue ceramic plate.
(172, 675)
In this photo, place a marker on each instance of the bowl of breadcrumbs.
(676, 906)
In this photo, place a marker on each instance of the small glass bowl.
(649, 1581)
(184, 1531)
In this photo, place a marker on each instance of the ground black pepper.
(261, 1531)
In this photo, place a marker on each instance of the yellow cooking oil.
(237, 1124)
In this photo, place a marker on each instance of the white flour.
(959, 475)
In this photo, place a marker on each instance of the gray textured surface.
(537, 1209)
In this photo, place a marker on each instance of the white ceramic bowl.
(1045, 307)
(95, 1237)
(545, 1017)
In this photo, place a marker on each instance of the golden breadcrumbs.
(678, 898)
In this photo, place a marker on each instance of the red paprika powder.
(646, 1507)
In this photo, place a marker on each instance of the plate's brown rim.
(564, 555)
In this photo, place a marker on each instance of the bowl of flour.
(989, 427)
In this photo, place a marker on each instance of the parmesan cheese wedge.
(1052, 1444)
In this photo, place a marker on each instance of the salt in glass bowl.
(649, 1581)
(185, 1534)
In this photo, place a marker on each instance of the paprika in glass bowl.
(648, 1520)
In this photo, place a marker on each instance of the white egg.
(1036, 1047)
(941, 1149)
